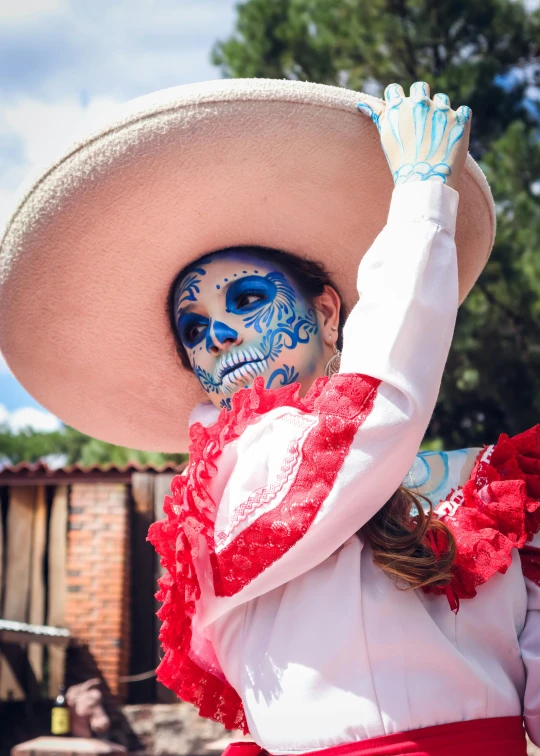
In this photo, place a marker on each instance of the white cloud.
(63, 72)
(43, 130)
(123, 49)
(26, 9)
(65, 64)
(29, 417)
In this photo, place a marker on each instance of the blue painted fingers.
(420, 98)
(463, 114)
(439, 122)
(422, 138)
(367, 110)
(394, 96)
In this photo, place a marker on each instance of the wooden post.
(162, 488)
(36, 610)
(57, 584)
(18, 571)
(143, 641)
(3, 664)
(1, 551)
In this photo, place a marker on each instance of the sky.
(66, 64)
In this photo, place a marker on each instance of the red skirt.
(503, 736)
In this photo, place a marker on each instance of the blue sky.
(65, 64)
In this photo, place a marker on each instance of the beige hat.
(90, 252)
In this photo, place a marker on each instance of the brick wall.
(98, 599)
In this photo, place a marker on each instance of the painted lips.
(238, 361)
(241, 373)
(245, 370)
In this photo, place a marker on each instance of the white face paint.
(239, 317)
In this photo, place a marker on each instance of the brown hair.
(401, 534)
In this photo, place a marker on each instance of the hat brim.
(89, 254)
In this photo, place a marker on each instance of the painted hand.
(423, 139)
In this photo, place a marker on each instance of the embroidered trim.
(275, 532)
(342, 403)
(265, 494)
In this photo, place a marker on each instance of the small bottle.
(60, 719)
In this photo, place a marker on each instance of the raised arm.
(297, 484)
(280, 482)
(300, 481)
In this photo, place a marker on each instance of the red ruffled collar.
(190, 513)
(496, 511)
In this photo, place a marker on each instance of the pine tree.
(483, 53)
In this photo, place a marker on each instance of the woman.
(292, 600)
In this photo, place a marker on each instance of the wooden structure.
(51, 746)
(76, 562)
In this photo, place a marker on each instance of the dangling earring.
(333, 364)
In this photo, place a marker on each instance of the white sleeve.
(529, 642)
(296, 485)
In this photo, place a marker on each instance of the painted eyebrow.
(237, 280)
(222, 290)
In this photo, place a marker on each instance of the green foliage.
(492, 380)
(30, 446)
(461, 47)
(483, 53)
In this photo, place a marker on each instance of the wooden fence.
(73, 553)
(33, 532)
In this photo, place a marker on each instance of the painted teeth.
(241, 374)
(251, 354)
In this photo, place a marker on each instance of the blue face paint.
(250, 293)
(189, 288)
(191, 329)
(238, 321)
(221, 333)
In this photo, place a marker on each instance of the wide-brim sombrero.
(90, 252)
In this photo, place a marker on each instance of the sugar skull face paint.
(240, 317)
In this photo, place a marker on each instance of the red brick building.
(76, 556)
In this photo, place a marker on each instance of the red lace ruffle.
(497, 510)
(342, 404)
(341, 409)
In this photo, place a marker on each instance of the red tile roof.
(35, 470)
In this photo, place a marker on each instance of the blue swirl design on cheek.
(285, 336)
(206, 379)
(281, 322)
(268, 306)
(287, 374)
(247, 362)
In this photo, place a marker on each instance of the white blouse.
(321, 646)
